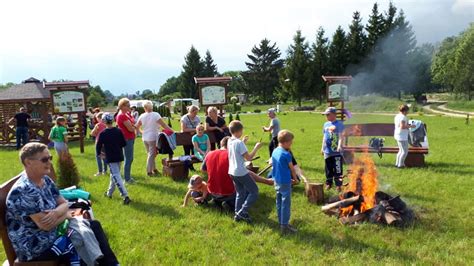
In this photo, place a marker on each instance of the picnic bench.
(7, 245)
(174, 167)
(416, 155)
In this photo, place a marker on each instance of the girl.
(201, 143)
(401, 134)
(98, 128)
(58, 135)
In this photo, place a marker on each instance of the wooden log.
(391, 218)
(360, 217)
(314, 192)
(340, 204)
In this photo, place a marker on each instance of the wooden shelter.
(35, 96)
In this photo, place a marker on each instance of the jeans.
(128, 153)
(60, 147)
(247, 193)
(150, 147)
(101, 164)
(283, 203)
(272, 145)
(21, 137)
(334, 170)
(116, 180)
(402, 153)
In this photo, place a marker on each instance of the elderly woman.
(149, 123)
(126, 123)
(189, 123)
(216, 124)
(401, 134)
(35, 209)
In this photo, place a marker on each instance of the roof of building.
(30, 90)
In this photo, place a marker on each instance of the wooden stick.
(265, 169)
(342, 203)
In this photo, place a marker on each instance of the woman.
(150, 123)
(189, 123)
(216, 124)
(401, 134)
(35, 209)
(126, 124)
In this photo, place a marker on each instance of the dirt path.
(447, 112)
(444, 108)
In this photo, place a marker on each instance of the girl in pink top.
(98, 128)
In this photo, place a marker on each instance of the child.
(112, 140)
(201, 143)
(284, 175)
(98, 128)
(247, 190)
(331, 148)
(58, 135)
(274, 128)
(197, 189)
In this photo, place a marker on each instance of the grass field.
(154, 229)
(467, 106)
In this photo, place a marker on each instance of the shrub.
(230, 117)
(237, 117)
(305, 108)
(169, 122)
(257, 111)
(163, 110)
(68, 174)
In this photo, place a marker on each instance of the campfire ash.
(362, 202)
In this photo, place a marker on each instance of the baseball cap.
(271, 110)
(108, 118)
(329, 110)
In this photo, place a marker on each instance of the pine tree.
(210, 69)
(374, 27)
(193, 67)
(389, 19)
(356, 40)
(338, 56)
(298, 73)
(319, 64)
(262, 74)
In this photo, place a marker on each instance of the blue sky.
(126, 46)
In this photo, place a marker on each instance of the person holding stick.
(274, 128)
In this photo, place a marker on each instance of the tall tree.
(297, 70)
(388, 19)
(210, 69)
(442, 68)
(464, 64)
(356, 40)
(338, 56)
(170, 86)
(262, 74)
(420, 64)
(238, 84)
(193, 67)
(319, 64)
(374, 27)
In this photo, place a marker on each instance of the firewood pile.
(361, 202)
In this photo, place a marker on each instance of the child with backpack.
(58, 136)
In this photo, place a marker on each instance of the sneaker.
(130, 181)
(126, 200)
(107, 195)
(104, 173)
(98, 174)
(242, 217)
(288, 229)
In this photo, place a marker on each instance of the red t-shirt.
(217, 165)
(121, 118)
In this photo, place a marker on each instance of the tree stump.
(314, 192)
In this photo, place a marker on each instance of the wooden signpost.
(213, 91)
(69, 98)
(337, 91)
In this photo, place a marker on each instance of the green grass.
(373, 103)
(467, 106)
(154, 229)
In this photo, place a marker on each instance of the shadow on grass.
(163, 189)
(152, 209)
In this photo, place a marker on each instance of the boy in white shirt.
(245, 186)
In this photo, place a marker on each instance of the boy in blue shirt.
(284, 175)
(331, 148)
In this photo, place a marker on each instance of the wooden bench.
(416, 155)
(7, 245)
(177, 169)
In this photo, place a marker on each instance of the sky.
(126, 46)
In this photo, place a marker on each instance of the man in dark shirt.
(21, 127)
(111, 140)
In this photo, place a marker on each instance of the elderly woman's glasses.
(45, 159)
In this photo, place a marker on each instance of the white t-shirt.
(400, 134)
(150, 125)
(236, 149)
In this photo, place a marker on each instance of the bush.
(305, 108)
(234, 108)
(237, 117)
(257, 111)
(68, 174)
(163, 110)
(231, 117)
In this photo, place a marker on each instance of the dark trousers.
(188, 149)
(229, 200)
(334, 170)
(21, 137)
(272, 145)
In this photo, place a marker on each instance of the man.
(21, 127)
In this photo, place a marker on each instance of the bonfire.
(361, 201)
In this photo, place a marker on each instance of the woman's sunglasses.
(45, 159)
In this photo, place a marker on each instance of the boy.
(247, 190)
(331, 148)
(112, 140)
(58, 135)
(284, 175)
(274, 128)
